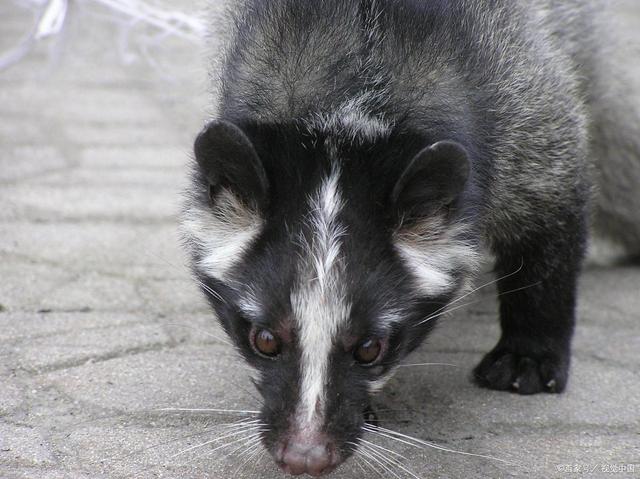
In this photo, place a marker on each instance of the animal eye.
(368, 351)
(265, 343)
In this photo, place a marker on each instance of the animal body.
(363, 155)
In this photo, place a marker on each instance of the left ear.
(228, 159)
(435, 177)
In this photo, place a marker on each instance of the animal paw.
(506, 370)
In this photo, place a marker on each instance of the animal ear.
(435, 177)
(228, 159)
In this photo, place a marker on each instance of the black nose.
(314, 457)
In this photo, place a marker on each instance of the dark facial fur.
(362, 154)
(322, 270)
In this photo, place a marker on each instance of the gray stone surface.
(101, 326)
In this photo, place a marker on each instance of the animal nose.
(314, 458)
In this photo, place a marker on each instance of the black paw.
(505, 370)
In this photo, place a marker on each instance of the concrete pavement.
(101, 326)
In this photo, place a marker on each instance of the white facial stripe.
(319, 300)
(249, 305)
(433, 251)
(390, 317)
(431, 271)
(222, 232)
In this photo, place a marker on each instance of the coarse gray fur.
(552, 78)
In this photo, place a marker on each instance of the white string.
(53, 14)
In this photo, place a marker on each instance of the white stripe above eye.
(433, 252)
(390, 317)
(249, 305)
(220, 232)
(319, 301)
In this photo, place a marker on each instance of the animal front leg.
(537, 315)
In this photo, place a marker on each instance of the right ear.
(435, 177)
(228, 159)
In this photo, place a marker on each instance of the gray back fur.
(531, 82)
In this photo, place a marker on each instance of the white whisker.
(244, 430)
(374, 456)
(201, 331)
(450, 310)
(418, 442)
(258, 459)
(368, 463)
(447, 310)
(246, 445)
(355, 447)
(427, 364)
(392, 437)
(395, 461)
(204, 286)
(515, 290)
(233, 411)
(383, 448)
(188, 436)
(251, 453)
(357, 461)
(485, 285)
(210, 291)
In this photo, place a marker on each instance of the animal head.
(324, 256)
